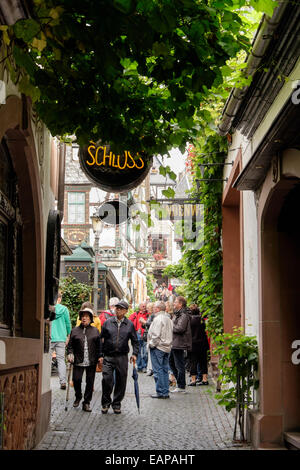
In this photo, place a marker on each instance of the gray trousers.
(119, 366)
(60, 347)
(149, 364)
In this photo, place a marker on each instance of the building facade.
(261, 223)
(31, 178)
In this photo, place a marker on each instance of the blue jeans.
(160, 366)
(142, 358)
(177, 365)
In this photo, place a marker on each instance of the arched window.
(10, 248)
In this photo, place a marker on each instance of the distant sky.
(176, 162)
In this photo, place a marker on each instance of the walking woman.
(84, 352)
(200, 347)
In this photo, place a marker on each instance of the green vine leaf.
(150, 67)
(26, 29)
(169, 193)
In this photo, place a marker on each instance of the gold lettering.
(113, 162)
(125, 161)
(93, 158)
(105, 156)
(97, 163)
(129, 154)
(142, 166)
(187, 210)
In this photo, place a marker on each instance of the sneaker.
(104, 410)
(163, 397)
(149, 373)
(203, 383)
(117, 411)
(192, 384)
(178, 390)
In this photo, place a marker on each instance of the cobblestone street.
(191, 421)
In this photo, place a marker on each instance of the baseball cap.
(122, 304)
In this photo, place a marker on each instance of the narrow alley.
(191, 421)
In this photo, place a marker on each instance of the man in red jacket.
(139, 328)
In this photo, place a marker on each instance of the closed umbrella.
(135, 377)
(68, 387)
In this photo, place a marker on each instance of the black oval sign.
(113, 212)
(113, 172)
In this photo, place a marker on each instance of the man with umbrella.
(115, 335)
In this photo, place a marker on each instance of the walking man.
(84, 351)
(182, 340)
(60, 331)
(160, 337)
(115, 335)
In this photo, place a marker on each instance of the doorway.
(279, 313)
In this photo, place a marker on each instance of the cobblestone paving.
(191, 421)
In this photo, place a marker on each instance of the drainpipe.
(61, 179)
(260, 43)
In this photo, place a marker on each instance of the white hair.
(160, 304)
(113, 301)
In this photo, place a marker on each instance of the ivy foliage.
(74, 294)
(149, 284)
(201, 269)
(238, 364)
(133, 73)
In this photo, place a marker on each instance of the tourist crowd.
(167, 339)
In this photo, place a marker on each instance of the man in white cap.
(115, 335)
(84, 352)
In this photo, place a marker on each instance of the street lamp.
(97, 229)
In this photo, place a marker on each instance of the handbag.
(99, 367)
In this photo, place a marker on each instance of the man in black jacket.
(182, 341)
(84, 351)
(115, 335)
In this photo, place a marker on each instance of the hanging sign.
(180, 211)
(113, 212)
(111, 171)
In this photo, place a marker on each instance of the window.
(10, 248)
(76, 208)
(75, 152)
(3, 270)
(159, 245)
